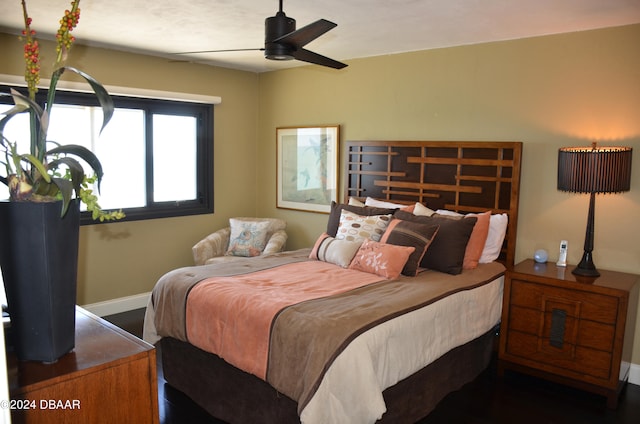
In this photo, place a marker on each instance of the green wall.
(547, 92)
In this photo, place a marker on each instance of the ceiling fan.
(283, 42)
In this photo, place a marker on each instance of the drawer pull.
(558, 320)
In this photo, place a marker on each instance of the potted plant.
(40, 223)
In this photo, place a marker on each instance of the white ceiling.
(365, 27)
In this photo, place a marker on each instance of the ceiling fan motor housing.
(276, 27)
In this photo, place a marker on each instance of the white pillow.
(370, 201)
(448, 212)
(497, 232)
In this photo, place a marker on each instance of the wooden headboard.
(463, 176)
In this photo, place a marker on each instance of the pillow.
(337, 208)
(337, 252)
(370, 201)
(446, 252)
(355, 202)
(422, 210)
(478, 237)
(408, 208)
(447, 212)
(406, 233)
(495, 236)
(385, 260)
(477, 240)
(248, 238)
(354, 227)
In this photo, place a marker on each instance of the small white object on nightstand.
(562, 257)
(540, 256)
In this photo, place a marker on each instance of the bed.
(391, 339)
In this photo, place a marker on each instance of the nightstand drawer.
(583, 332)
(578, 304)
(568, 360)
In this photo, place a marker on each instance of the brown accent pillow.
(446, 252)
(336, 209)
(414, 234)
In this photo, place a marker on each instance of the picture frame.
(307, 167)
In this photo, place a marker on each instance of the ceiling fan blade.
(220, 51)
(318, 59)
(284, 42)
(306, 34)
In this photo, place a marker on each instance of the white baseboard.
(116, 306)
(634, 374)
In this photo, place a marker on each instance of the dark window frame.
(204, 112)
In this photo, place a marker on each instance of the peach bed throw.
(232, 316)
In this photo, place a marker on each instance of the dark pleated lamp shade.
(594, 169)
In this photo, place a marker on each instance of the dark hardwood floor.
(488, 399)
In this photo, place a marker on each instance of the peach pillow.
(385, 260)
(477, 240)
(409, 208)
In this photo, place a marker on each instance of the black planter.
(39, 259)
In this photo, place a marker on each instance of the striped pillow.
(414, 234)
(337, 252)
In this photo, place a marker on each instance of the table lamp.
(593, 170)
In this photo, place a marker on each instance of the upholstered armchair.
(243, 237)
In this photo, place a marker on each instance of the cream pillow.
(422, 210)
(337, 252)
(355, 202)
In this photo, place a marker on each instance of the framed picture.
(307, 168)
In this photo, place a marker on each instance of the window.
(157, 155)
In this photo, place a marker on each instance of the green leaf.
(84, 154)
(66, 189)
(76, 171)
(45, 189)
(16, 109)
(22, 104)
(25, 102)
(106, 102)
(51, 94)
(39, 166)
(13, 159)
(4, 121)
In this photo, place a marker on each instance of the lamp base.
(586, 268)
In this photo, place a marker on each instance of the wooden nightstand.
(110, 377)
(571, 332)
